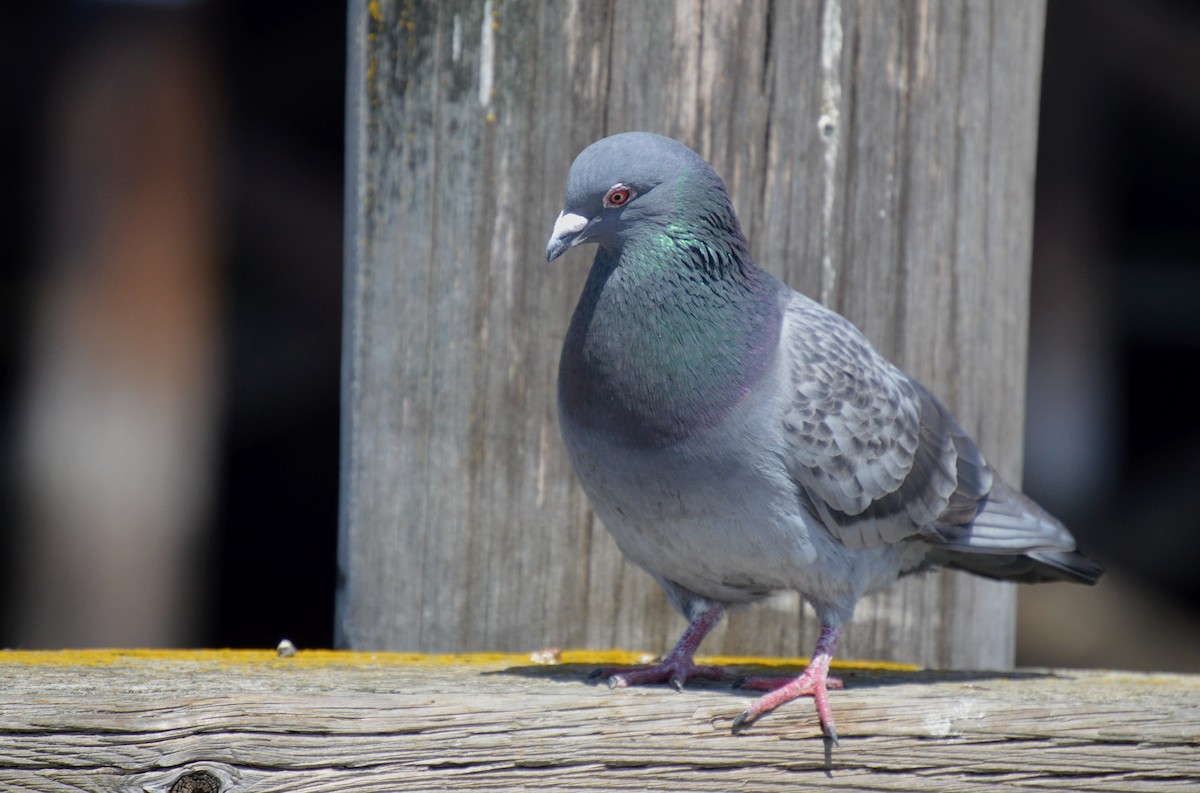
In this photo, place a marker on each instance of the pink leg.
(677, 668)
(814, 682)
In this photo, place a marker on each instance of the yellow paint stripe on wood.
(321, 658)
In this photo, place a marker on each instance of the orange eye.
(618, 195)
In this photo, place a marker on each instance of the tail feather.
(1014, 539)
(1034, 567)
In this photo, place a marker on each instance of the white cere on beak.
(568, 223)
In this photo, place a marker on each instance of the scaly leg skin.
(814, 682)
(677, 668)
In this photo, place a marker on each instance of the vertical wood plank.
(881, 158)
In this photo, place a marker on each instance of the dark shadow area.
(102, 139)
(852, 677)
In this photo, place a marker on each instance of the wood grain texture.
(881, 158)
(322, 722)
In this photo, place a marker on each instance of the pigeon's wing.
(878, 459)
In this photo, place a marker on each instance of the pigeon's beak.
(568, 232)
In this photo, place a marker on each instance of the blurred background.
(171, 320)
(169, 346)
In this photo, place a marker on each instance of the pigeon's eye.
(618, 195)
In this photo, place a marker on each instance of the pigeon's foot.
(676, 671)
(677, 668)
(815, 682)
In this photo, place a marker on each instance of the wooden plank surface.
(335, 721)
(881, 158)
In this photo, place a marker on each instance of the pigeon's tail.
(1035, 567)
(1014, 539)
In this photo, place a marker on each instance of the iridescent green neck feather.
(673, 328)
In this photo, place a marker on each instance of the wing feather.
(879, 460)
(878, 456)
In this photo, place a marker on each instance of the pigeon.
(738, 439)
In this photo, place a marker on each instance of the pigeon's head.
(631, 184)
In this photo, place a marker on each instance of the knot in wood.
(196, 782)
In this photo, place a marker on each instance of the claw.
(745, 719)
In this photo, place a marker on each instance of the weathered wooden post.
(881, 158)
